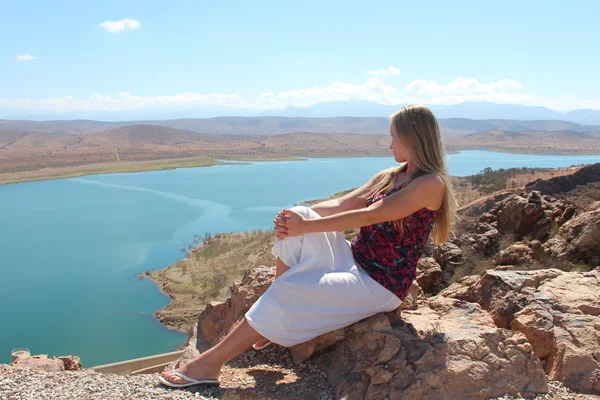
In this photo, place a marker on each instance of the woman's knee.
(306, 212)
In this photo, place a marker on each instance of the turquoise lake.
(70, 249)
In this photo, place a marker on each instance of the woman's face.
(399, 151)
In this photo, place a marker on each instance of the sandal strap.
(192, 380)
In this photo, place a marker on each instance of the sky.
(116, 55)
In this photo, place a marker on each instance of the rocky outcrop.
(562, 184)
(485, 240)
(579, 239)
(219, 317)
(558, 312)
(530, 214)
(446, 349)
(442, 348)
(52, 364)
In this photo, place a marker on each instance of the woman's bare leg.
(280, 268)
(208, 364)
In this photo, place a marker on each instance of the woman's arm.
(426, 191)
(350, 201)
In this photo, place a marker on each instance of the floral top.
(390, 256)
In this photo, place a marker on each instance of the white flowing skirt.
(323, 290)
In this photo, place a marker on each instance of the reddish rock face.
(578, 240)
(558, 312)
(530, 214)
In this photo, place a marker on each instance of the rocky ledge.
(504, 333)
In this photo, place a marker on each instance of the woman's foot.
(261, 344)
(197, 369)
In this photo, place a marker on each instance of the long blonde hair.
(418, 129)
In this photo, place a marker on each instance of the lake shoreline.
(53, 173)
(123, 167)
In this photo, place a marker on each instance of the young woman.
(323, 282)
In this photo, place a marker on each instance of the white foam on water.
(216, 209)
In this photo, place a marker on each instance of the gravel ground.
(268, 374)
(265, 375)
(556, 391)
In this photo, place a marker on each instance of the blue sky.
(73, 55)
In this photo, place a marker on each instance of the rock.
(578, 240)
(446, 349)
(530, 214)
(486, 243)
(219, 317)
(518, 253)
(558, 312)
(413, 295)
(448, 256)
(71, 363)
(428, 271)
(303, 351)
(41, 362)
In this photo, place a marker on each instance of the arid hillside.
(43, 155)
(557, 142)
(282, 125)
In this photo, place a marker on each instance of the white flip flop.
(190, 381)
(255, 347)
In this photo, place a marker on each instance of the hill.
(282, 125)
(39, 155)
(480, 110)
(556, 142)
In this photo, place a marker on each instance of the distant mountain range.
(348, 108)
(451, 127)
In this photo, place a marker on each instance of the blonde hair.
(418, 129)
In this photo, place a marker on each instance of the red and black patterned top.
(389, 256)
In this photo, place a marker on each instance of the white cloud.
(124, 101)
(120, 25)
(373, 90)
(461, 86)
(384, 71)
(25, 57)
(463, 89)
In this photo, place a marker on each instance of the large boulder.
(578, 240)
(529, 214)
(444, 348)
(558, 312)
(219, 317)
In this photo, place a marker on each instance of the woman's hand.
(279, 226)
(289, 223)
(294, 223)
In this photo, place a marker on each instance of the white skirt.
(323, 290)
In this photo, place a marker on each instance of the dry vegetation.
(208, 271)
